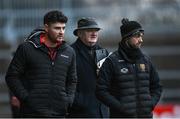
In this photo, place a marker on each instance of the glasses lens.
(138, 34)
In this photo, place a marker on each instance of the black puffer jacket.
(44, 87)
(129, 89)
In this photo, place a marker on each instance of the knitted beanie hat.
(128, 28)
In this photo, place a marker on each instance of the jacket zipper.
(136, 86)
(51, 81)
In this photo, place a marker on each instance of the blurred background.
(159, 18)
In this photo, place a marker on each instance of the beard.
(53, 39)
(133, 46)
(136, 46)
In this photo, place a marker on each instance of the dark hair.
(55, 16)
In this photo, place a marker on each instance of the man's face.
(136, 40)
(55, 31)
(88, 36)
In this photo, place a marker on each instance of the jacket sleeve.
(15, 72)
(71, 80)
(103, 86)
(155, 86)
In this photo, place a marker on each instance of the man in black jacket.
(89, 57)
(42, 73)
(128, 82)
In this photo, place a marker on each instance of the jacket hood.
(34, 37)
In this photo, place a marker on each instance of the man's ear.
(46, 27)
(79, 32)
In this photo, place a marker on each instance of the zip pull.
(52, 63)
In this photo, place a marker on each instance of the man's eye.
(138, 35)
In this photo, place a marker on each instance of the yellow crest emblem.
(142, 67)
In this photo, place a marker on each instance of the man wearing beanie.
(89, 56)
(128, 82)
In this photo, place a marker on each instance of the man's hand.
(15, 102)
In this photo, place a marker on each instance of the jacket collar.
(34, 38)
(83, 50)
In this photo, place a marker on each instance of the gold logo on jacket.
(142, 67)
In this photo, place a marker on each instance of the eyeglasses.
(138, 34)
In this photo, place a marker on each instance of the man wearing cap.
(128, 82)
(88, 59)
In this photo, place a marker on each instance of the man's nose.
(140, 39)
(61, 31)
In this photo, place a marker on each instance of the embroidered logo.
(65, 56)
(142, 67)
(124, 70)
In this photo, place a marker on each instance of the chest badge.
(124, 70)
(142, 67)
